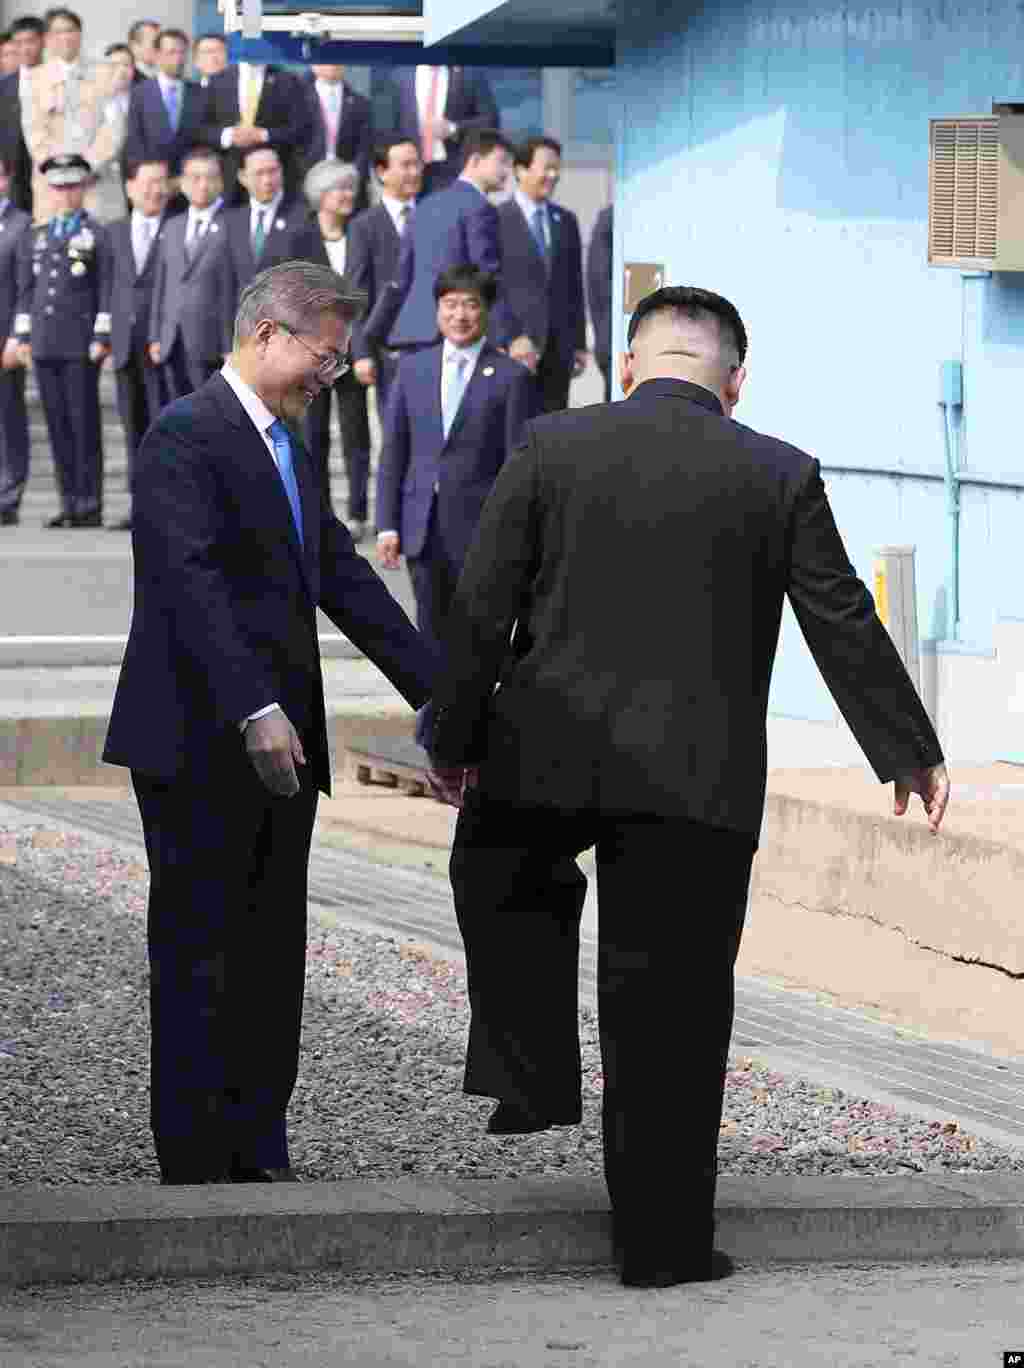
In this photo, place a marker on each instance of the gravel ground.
(379, 1090)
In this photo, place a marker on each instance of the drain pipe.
(951, 401)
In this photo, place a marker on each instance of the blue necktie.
(171, 101)
(283, 451)
(456, 389)
(537, 224)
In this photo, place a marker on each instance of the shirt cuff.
(388, 532)
(22, 325)
(265, 134)
(253, 716)
(227, 137)
(102, 326)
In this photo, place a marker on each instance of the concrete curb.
(102, 1234)
(44, 652)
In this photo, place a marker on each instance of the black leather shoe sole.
(174, 1178)
(264, 1175)
(639, 1272)
(61, 520)
(9, 517)
(508, 1119)
(88, 520)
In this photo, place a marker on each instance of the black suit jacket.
(148, 131)
(599, 286)
(354, 142)
(283, 111)
(14, 223)
(224, 615)
(627, 695)
(470, 104)
(372, 261)
(548, 303)
(131, 295)
(12, 142)
(293, 234)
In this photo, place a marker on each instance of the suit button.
(48, 309)
(51, 290)
(53, 273)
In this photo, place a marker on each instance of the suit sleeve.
(295, 130)
(157, 304)
(523, 404)
(851, 648)
(227, 291)
(360, 604)
(394, 458)
(134, 132)
(483, 105)
(176, 528)
(25, 280)
(492, 589)
(599, 284)
(483, 248)
(359, 269)
(384, 314)
(105, 266)
(577, 320)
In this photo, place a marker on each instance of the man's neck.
(536, 201)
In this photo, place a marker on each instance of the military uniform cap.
(67, 168)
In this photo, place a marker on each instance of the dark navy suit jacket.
(131, 296)
(224, 616)
(599, 286)
(549, 303)
(13, 223)
(456, 227)
(354, 142)
(283, 111)
(12, 141)
(148, 132)
(292, 235)
(499, 398)
(373, 244)
(470, 104)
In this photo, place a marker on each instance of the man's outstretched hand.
(933, 787)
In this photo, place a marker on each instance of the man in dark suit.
(166, 113)
(13, 147)
(644, 733)
(456, 227)
(254, 106)
(437, 106)
(542, 269)
(65, 272)
(209, 56)
(340, 125)
(219, 713)
(599, 294)
(271, 228)
(186, 329)
(374, 240)
(455, 411)
(14, 443)
(135, 243)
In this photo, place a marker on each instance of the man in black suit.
(257, 106)
(599, 292)
(186, 319)
(135, 243)
(340, 125)
(374, 240)
(143, 39)
(16, 106)
(219, 713)
(542, 269)
(644, 733)
(437, 106)
(271, 228)
(165, 113)
(14, 443)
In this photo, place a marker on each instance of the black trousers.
(553, 380)
(182, 373)
(672, 900)
(227, 952)
(14, 443)
(141, 395)
(434, 576)
(70, 391)
(354, 420)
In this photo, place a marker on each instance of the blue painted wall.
(778, 153)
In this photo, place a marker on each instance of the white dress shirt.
(262, 420)
(199, 219)
(395, 208)
(144, 230)
(529, 208)
(271, 212)
(424, 79)
(337, 252)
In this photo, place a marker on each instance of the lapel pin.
(488, 370)
(279, 225)
(214, 228)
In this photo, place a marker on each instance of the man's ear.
(626, 377)
(733, 386)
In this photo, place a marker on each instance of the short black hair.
(28, 22)
(59, 12)
(133, 168)
(481, 142)
(469, 279)
(694, 303)
(202, 152)
(206, 37)
(179, 34)
(382, 149)
(247, 152)
(135, 32)
(119, 47)
(524, 152)
(5, 35)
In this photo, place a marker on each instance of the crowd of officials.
(136, 203)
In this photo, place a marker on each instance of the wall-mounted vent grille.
(974, 175)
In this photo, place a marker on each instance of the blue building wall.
(778, 153)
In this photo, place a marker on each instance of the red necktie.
(431, 115)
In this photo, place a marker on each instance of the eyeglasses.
(328, 368)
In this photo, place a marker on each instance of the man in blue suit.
(219, 714)
(456, 227)
(165, 113)
(455, 413)
(542, 259)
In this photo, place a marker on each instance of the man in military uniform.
(65, 268)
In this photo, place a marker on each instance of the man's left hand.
(579, 364)
(98, 352)
(449, 785)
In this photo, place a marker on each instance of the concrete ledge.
(44, 652)
(79, 1233)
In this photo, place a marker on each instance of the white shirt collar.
(169, 82)
(67, 68)
(208, 212)
(256, 410)
(138, 218)
(330, 89)
(472, 354)
(271, 208)
(395, 206)
(529, 206)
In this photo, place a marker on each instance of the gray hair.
(326, 175)
(297, 294)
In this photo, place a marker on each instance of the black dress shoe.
(61, 520)
(641, 1271)
(87, 520)
(188, 1177)
(9, 517)
(124, 525)
(242, 1174)
(510, 1119)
